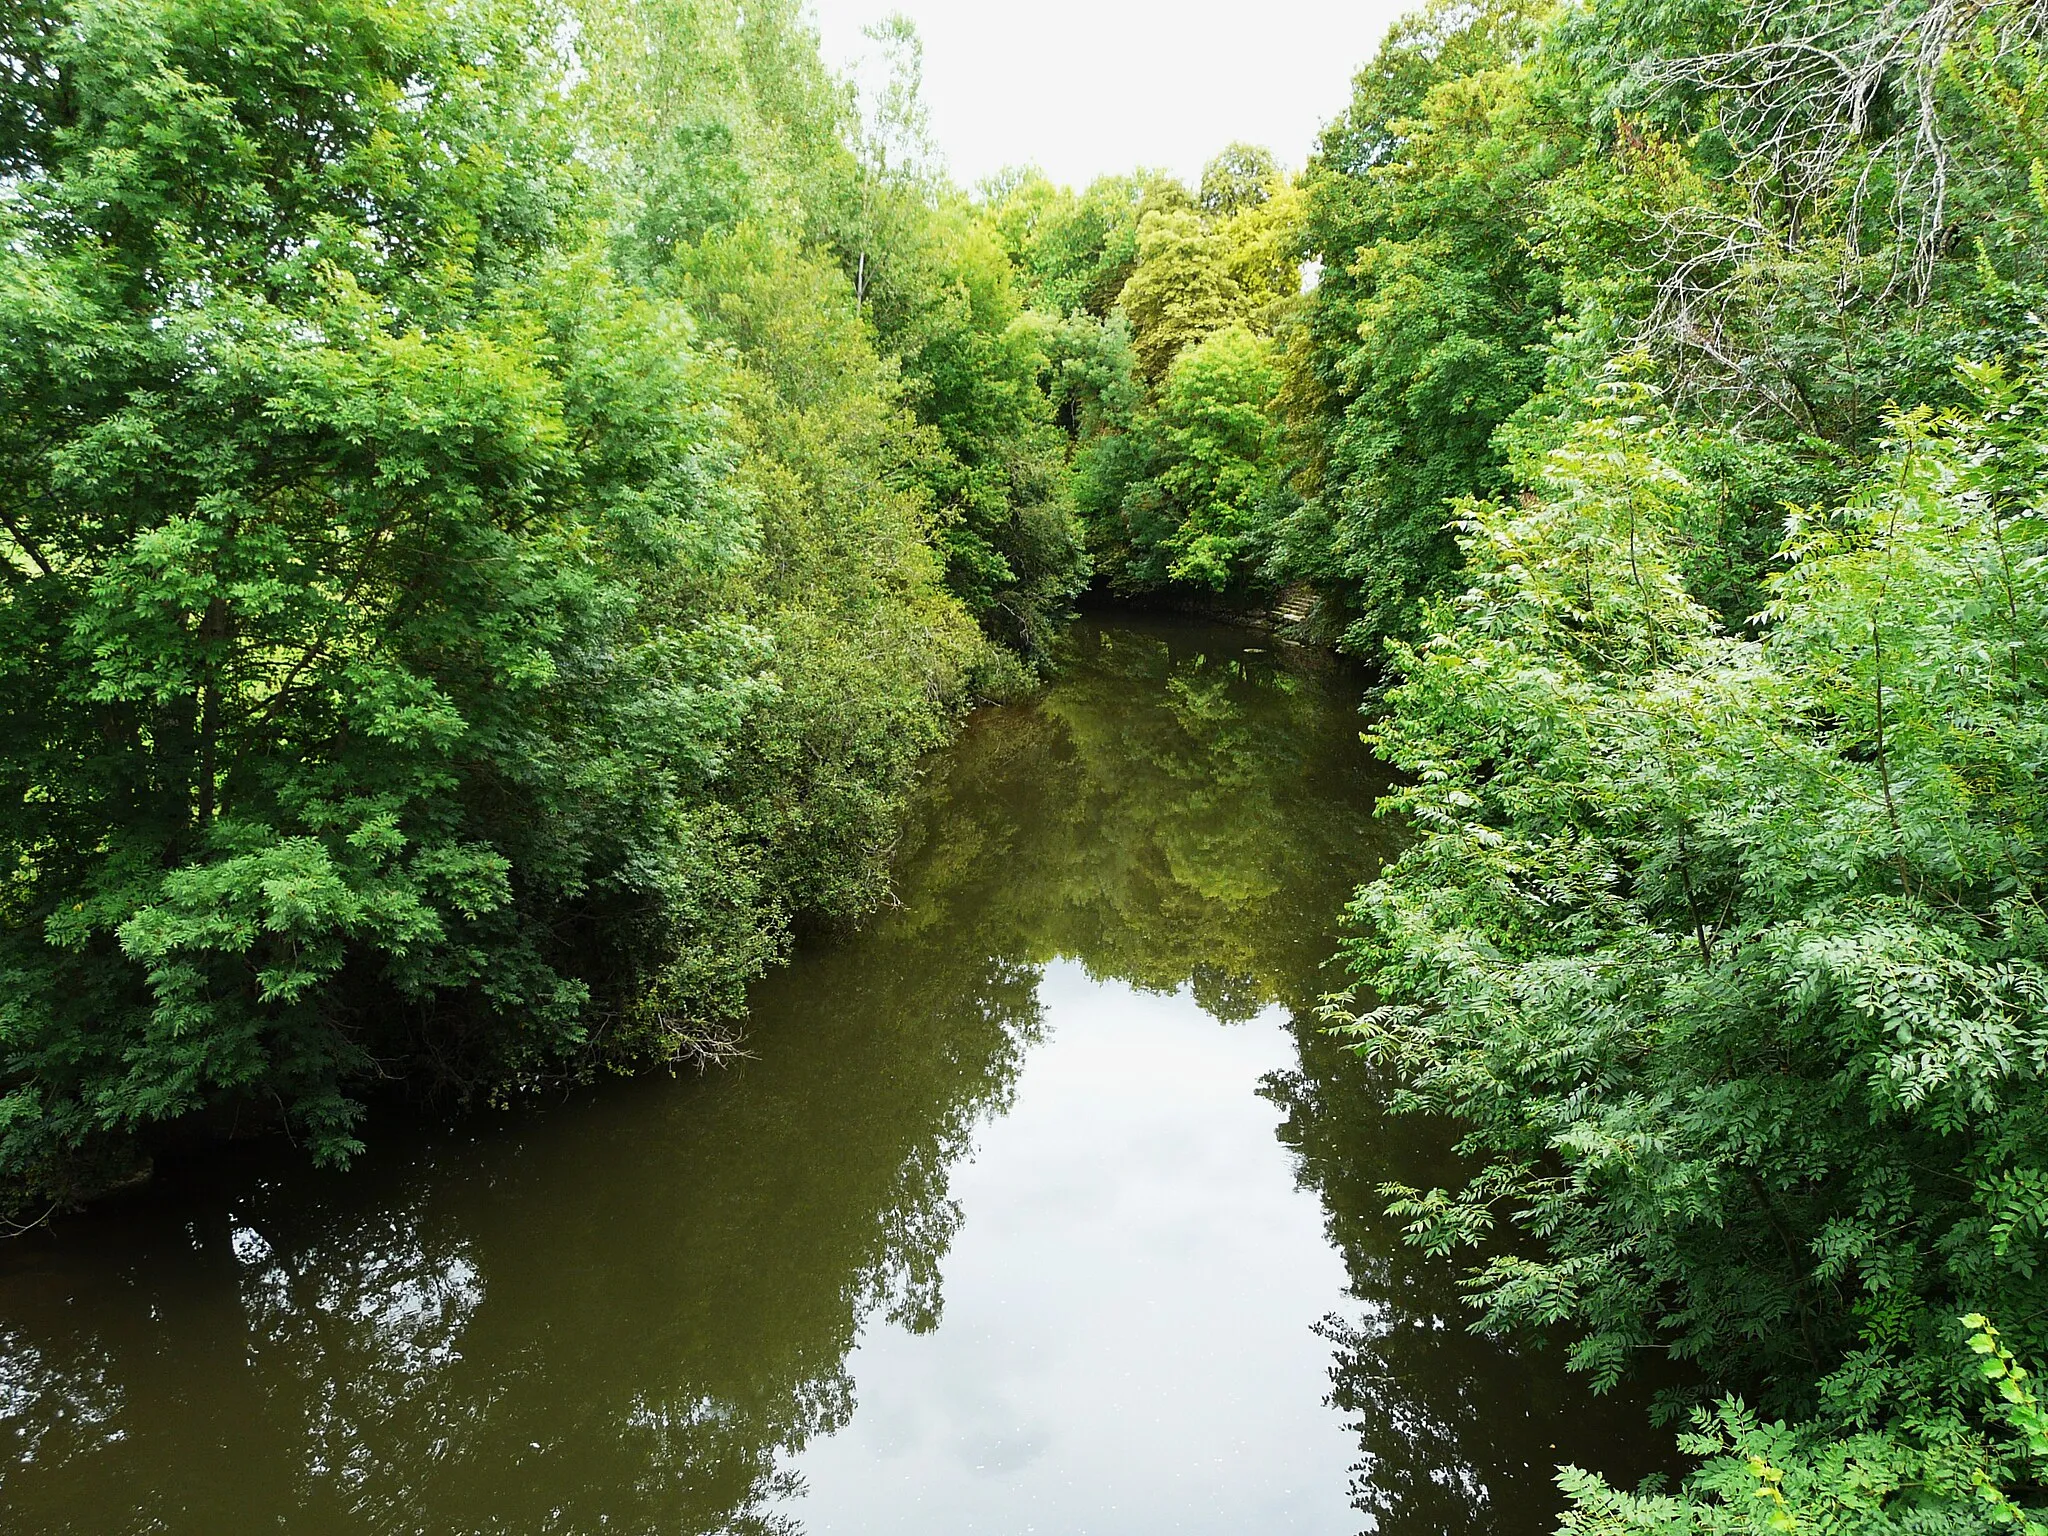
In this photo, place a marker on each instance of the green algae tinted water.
(1038, 1205)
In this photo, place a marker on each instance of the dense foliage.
(1694, 441)
(1158, 307)
(475, 570)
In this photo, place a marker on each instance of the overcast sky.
(1083, 87)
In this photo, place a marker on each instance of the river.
(1039, 1203)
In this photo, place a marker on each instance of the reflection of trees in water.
(1455, 1432)
(369, 1318)
(630, 1309)
(630, 1312)
(54, 1405)
(1176, 810)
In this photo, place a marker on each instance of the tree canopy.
(466, 594)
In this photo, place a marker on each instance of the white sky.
(1084, 87)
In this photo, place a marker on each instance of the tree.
(1076, 252)
(1241, 177)
(1198, 505)
(1180, 290)
(356, 523)
(1724, 948)
(1428, 328)
(427, 662)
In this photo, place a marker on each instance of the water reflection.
(1456, 1432)
(636, 1311)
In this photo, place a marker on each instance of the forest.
(499, 497)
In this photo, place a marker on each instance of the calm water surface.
(1039, 1205)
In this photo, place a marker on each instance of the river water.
(1039, 1204)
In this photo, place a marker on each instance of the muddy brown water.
(1040, 1204)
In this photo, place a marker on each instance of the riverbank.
(1294, 616)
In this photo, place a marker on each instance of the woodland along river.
(1039, 1204)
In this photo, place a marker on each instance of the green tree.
(872, 654)
(1180, 290)
(1076, 252)
(1169, 400)
(1241, 177)
(1195, 482)
(1429, 326)
(430, 659)
(948, 306)
(361, 535)
(1726, 949)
